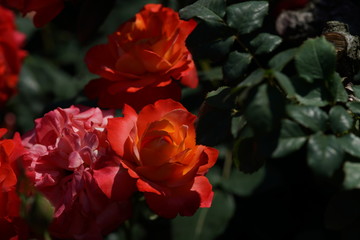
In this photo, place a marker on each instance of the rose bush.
(72, 164)
(146, 58)
(44, 11)
(159, 150)
(10, 152)
(11, 55)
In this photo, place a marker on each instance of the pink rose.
(74, 167)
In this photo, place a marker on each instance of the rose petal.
(115, 182)
(189, 77)
(184, 201)
(157, 111)
(119, 129)
(147, 95)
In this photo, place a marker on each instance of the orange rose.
(144, 59)
(159, 150)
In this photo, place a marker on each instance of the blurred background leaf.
(206, 224)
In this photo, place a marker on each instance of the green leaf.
(204, 225)
(313, 94)
(280, 60)
(285, 83)
(243, 184)
(52, 79)
(265, 43)
(213, 49)
(352, 175)
(309, 116)
(237, 124)
(215, 114)
(39, 213)
(350, 143)
(208, 10)
(215, 174)
(247, 156)
(340, 120)
(336, 88)
(26, 26)
(324, 155)
(41, 84)
(236, 65)
(356, 89)
(316, 59)
(219, 98)
(247, 16)
(354, 107)
(211, 74)
(292, 138)
(253, 79)
(290, 129)
(217, 6)
(258, 111)
(265, 106)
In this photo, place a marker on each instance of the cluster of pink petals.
(72, 164)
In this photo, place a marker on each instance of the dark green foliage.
(315, 60)
(236, 65)
(248, 16)
(284, 103)
(340, 120)
(265, 43)
(325, 155)
(292, 138)
(279, 61)
(350, 144)
(311, 117)
(352, 176)
(259, 112)
(211, 11)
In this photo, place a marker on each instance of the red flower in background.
(289, 5)
(143, 61)
(75, 168)
(45, 10)
(11, 55)
(159, 150)
(10, 223)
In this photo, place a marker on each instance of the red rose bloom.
(11, 55)
(144, 59)
(74, 167)
(45, 10)
(159, 150)
(10, 223)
